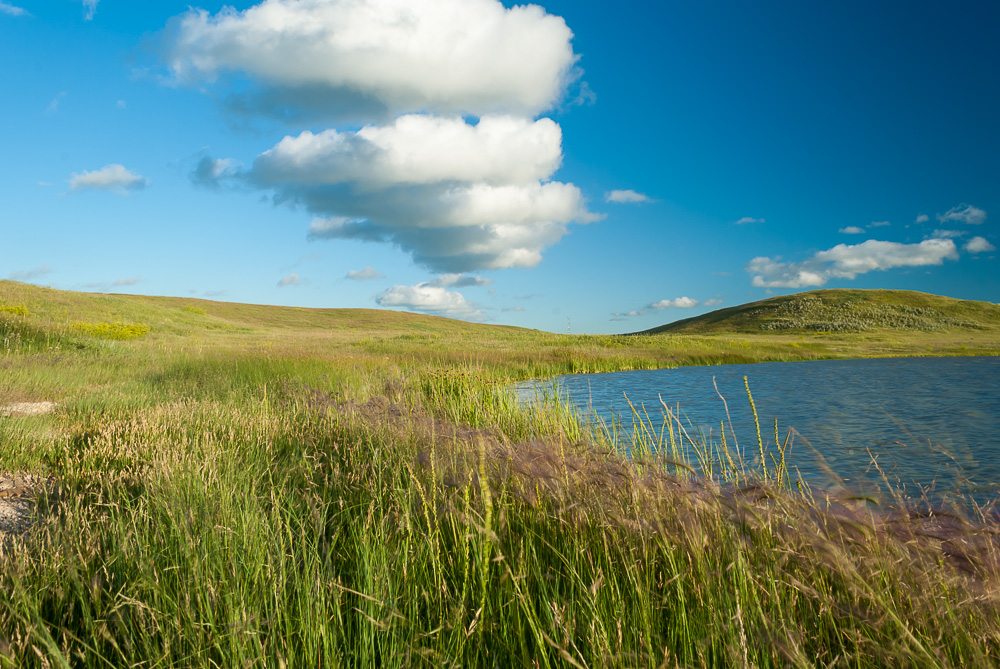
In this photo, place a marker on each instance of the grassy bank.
(263, 486)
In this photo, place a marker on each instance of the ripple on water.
(918, 422)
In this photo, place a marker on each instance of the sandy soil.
(27, 408)
(17, 502)
(17, 490)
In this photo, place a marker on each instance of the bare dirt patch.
(17, 502)
(27, 408)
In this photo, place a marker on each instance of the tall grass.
(442, 524)
(280, 499)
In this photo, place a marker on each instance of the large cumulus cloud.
(457, 194)
(462, 56)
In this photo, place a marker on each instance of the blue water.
(931, 424)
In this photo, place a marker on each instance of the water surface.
(929, 423)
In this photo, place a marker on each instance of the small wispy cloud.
(307, 257)
(627, 196)
(121, 104)
(674, 303)
(12, 10)
(714, 302)
(979, 245)
(112, 177)
(54, 105)
(212, 172)
(26, 274)
(946, 234)
(963, 213)
(366, 274)
(89, 9)
(516, 309)
(117, 283)
(879, 224)
(585, 96)
(292, 279)
(852, 230)
(460, 281)
(922, 218)
(749, 219)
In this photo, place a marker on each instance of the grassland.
(846, 311)
(276, 487)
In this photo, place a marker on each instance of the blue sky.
(575, 165)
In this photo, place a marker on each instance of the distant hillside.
(32, 312)
(843, 311)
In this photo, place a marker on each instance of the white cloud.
(430, 299)
(963, 213)
(366, 274)
(847, 262)
(922, 218)
(13, 10)
(26, 274)
(584, 95)
(460, 281)
(676, 303)
(457, 197)
(212, 172)
(516, 309)
(89, 9)
(112, 177)
(946, 234)
(852, 230)
(418, 149)
(748, 219)
(879, 224)
(626, 196)
(292, 279)
(979, 245)
(459, 56)
(121, 104)
(680, 303)
(127, 281)
(714, 302)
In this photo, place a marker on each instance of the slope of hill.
(35, 312)
(843, 310)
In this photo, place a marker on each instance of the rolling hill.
(843, 310)
(49, 310)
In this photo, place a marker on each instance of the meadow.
(250, 486)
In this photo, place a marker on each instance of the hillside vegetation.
(847, 311)
(252, 486)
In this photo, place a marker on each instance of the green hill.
(30, 312)
(844, 310)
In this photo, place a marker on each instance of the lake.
(931, 424)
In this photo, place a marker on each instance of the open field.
(266, 486)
